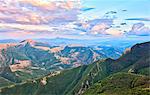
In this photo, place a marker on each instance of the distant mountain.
(29, 56)
(119, 43)
(127, 75)
(9, 41)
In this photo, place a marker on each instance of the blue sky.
(84, 19)
(137, 9)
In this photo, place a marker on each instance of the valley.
(98, 78)
(28, 57)
(74, 47)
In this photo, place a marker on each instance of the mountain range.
(127, 75)
(28, 56)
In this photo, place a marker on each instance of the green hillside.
(76, 81)
(136, 64)
(4, 82)
(121, 84)
(66, 82)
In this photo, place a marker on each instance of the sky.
(78, 19)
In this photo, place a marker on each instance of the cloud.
(17, 34)
(97, 27)
(26, 27)
(94, 25)
(20, 34)
(86, 9)
(38, 30)
(38, 16)
(58, 17)
(39, 11)
(139, 19)
(113, 32)
(139, 29)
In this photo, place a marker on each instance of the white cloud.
(26, 27)
(39, 11)
(139, 29)
(113, 32)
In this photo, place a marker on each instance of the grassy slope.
(71, 81)
(136, 61)
(56, 85)
(67, 82)
(4, 82)
(121, 84)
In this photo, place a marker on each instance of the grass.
(4, 82)
(121, 84)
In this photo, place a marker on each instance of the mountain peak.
(29, 41)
